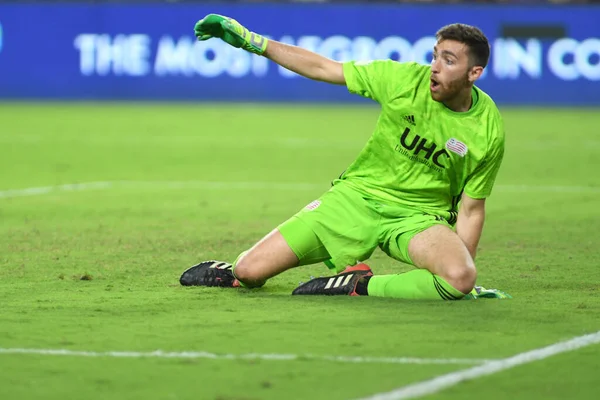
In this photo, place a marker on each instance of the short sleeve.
(480, 184)
(377, 79)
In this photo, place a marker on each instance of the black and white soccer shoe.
(210, 273)
(342, 284)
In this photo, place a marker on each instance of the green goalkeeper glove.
(231, 32)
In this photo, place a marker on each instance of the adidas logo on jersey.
(410, 119)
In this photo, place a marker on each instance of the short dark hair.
(473, 37)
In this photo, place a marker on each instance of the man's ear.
(475, 73)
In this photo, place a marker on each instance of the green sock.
(417, 284)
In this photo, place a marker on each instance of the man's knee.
(269, 257)
(247, 269)
(462, 277)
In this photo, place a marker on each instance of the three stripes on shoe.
(337, 281)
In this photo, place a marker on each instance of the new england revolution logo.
(313, 205)
(457, 147)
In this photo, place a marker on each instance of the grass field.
(94, 267)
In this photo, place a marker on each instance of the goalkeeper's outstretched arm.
(306, 63)
(299, 60)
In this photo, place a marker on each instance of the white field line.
(35, 191)
(547, 189)
(251, 356)
(445, 381)
(74, 187)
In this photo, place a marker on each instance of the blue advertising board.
(541, 55)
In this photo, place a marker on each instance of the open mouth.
(434, 84)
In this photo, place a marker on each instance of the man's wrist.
(255, 43)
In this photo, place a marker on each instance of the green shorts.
(342, 228)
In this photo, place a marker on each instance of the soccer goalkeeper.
(438, 144)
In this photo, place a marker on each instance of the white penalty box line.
(442, 382)
(249, 356)
(483, 367)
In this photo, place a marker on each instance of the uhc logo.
(419, 149)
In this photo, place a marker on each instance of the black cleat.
(343, 283)
(210, 273)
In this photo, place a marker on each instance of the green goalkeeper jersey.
(422, 154)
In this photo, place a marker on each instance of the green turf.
(184, 183)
